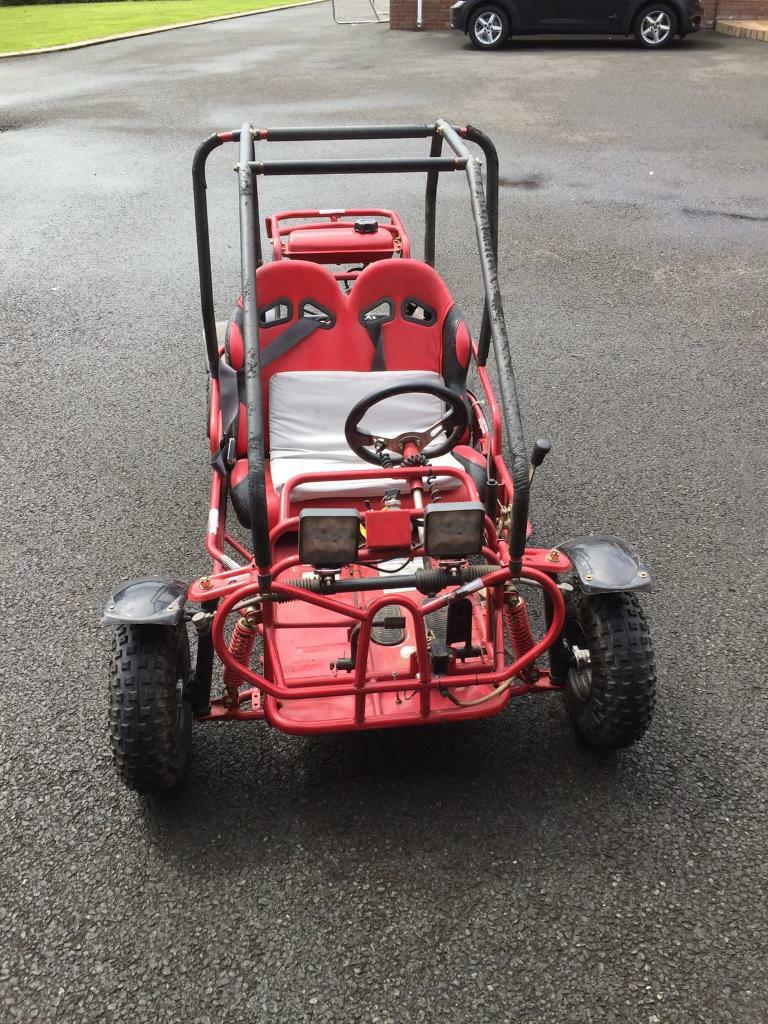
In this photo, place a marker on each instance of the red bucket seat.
(399, 316)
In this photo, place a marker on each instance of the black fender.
(151, 600)
(605, 565)
(635, 8)
(515, 22)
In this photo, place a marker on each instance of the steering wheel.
(452, 423)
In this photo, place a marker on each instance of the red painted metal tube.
(279, 689)
(336, 624)
(374, 473)
(321, 600)
(215, 532)
(238, 547)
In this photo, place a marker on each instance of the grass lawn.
(26, 28)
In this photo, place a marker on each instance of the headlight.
(454, 528)
(328, 537)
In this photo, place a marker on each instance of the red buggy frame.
(351, 642)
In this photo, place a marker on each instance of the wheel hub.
(580, 672)
(655, 27)
(488, 28)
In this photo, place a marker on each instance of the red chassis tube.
(231, 584)
(361, 685)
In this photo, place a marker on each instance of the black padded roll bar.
(501, 350)
(340, 133)
(430, 202)
(395, 166)
(204, 249)
(481, 140)
(257, 489)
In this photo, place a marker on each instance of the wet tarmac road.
(495, 872)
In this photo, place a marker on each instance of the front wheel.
(150, 716)
(488, 28)
(655, 27)
(604, 659)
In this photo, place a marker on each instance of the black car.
(489, 23)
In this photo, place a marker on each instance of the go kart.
(386, 578)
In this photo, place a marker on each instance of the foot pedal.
(389, 630)
(439, 654)
(458, 629)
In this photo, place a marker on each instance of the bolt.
(553, 555)
(206, 583)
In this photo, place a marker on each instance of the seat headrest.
(286, 291)
(401, 280)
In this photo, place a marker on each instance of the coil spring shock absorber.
(241, 648)
(519, 629)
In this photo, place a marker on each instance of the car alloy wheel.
(655, 28)
(488, 28)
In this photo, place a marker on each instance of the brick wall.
(748, 10)
(436, 13)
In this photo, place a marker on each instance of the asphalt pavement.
(494, 872)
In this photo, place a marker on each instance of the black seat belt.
(375, 329)
(289, 339)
